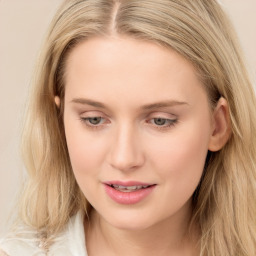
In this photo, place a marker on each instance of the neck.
(169, 237)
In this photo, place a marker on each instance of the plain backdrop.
(23, 25)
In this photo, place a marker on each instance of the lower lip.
(128, 197)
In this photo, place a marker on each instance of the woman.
(138, 138)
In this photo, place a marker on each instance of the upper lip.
(128, 183)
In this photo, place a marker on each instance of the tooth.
(128, 188)
(123, 190)
(131, 187)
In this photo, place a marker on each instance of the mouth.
(129, 186)
(130, 192)
(128, 189)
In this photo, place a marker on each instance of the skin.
(162, 145)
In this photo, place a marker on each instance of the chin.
(131, 222)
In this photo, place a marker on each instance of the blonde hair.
(224, 202)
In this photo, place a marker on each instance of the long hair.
(224, 202)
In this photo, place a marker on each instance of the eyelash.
(86, 121)
(171, 122)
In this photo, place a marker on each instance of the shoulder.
(71, 242)
(17, 245)
(2, 253)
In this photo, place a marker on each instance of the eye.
(94, 121)
(162, 122)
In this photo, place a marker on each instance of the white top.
(69, 243)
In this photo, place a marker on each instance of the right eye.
(93, 121)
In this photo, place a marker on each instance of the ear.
(221, 128)
(57, 101)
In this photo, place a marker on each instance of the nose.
(126, 152)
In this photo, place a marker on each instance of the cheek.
(189, 151)
(85, 150)
(86, 154)
(180, 160)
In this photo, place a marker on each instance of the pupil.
(95, 120)
(159, 121)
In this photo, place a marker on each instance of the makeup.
(128, 192)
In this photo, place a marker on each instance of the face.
(138, 125)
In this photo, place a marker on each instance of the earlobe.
(57, 101)
(221, 126)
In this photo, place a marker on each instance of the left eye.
(162, 121)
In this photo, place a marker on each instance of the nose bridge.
(126, 149)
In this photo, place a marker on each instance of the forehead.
(126, 67)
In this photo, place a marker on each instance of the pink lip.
(128, 197)
(127, 183)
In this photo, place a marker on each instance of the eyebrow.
(161, 104)
(93, 103)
